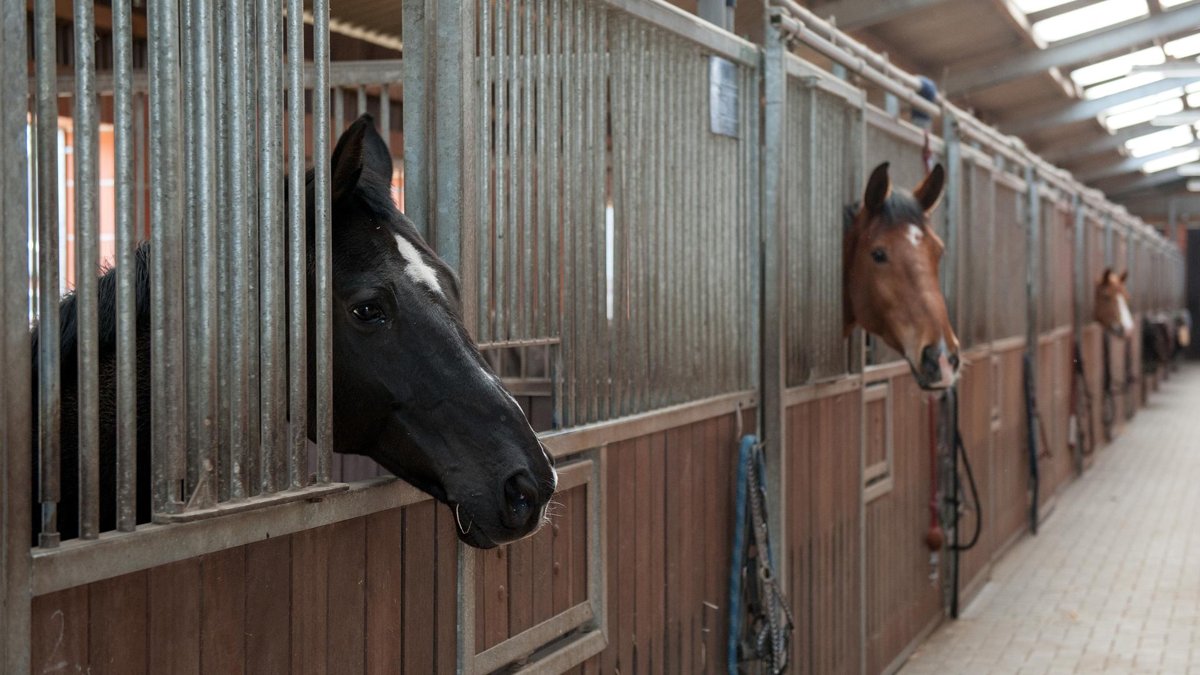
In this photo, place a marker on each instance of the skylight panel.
(1159, 140)
(1171, 3)
(1184, 46)
(1120, 84)
(1129, 118)
(1031, 6)
(1171, 161)
(1090, 18)
(1145, 101)
(1116, 67)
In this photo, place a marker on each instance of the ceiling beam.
(1052, 12)
(1088, 48)
(1037, 119)
(858, 14)
(1132, 184)
(1073, 148)
(1128, 164)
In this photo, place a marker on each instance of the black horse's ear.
(360, 154)
(879, 186)
(929, 192)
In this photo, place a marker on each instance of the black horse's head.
(411, 390)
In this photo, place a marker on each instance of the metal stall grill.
(611, 212)
(1009, 270)
(182, 141)
(975, 235)
(821, 176)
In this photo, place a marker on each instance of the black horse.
(411, 390)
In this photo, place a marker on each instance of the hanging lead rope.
(752, 582)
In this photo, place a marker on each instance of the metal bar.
(542, 165)
(49, 383)
(323, 270)
(502, 237)
(238, 232)
(15, 358)
(491, 103)
(273, 310)
(555, 217)
(529, 268)
(297, 253)
(201, 301)
(126, 294)
(362, 99)
(226, 305)
(87, 224)
(166, 255)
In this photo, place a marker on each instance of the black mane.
(106, 311)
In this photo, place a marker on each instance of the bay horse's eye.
(879, 255)
(368, 313)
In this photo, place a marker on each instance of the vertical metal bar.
(273, 310)
(491, 104)
(226, 305)
(15, 361)
(542, 165)
(297, 252)
(339, 110)
(556, 220)
(251, 466)
(238, 231)
(323, 293)
(774, 160)
(362, 104)
(529, 268)
(166, 255)
(385, 116)
(585, 51)
(86, 258)
(126, 294)
(201, 301)
(500, 213)
(49, 384)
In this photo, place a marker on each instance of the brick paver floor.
(1111, 584)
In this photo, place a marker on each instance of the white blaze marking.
(415, 266)
(915, 235)
(1126, 317)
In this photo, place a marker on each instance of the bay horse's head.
(890, 259)
(411, 389)
(1112, 304)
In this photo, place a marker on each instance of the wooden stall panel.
(976, 390)
(670, 524)
(1010, 459)
(901, 598)
(823, 483)
(372, 594)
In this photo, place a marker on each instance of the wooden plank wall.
(669, 520)
(976, 392)
(374, 594)
(901, 599)
(823, 476)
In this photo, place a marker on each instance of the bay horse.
(410, 388)
(890, 258)
(1112, 304)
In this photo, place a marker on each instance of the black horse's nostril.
(520, 500)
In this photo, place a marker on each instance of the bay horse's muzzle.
(938, 368)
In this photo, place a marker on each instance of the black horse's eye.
(368, 312)
(879, 255)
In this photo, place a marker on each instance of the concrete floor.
(1111, 584)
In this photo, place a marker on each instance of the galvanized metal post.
(773, 280)
(1032, 265)
(441, 180)
(1080, 264)
(952, 205)
(15, 595)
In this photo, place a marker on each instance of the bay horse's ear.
(879, 186)
(1124, 276)
(1104, 275)
(360, 153)
(929, 192)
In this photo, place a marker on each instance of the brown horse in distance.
(1112, 304)
(890, 258)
